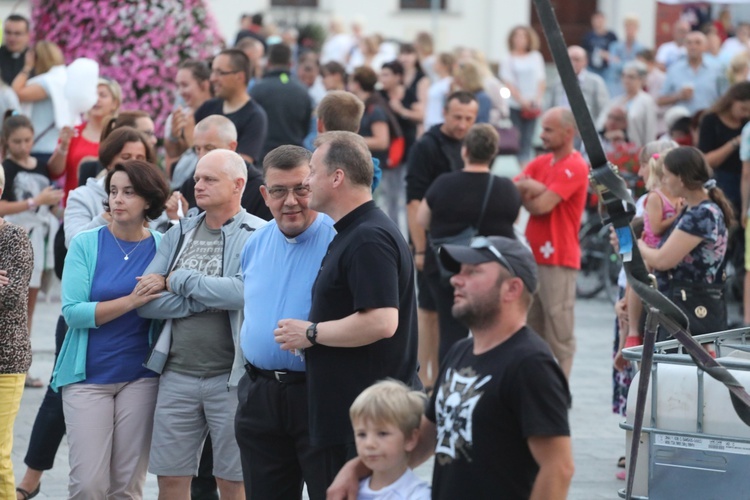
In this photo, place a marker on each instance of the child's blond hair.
(655, 166)
(390, 402)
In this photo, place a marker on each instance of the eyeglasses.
(482, 243)
(281, 192)
(219, 72)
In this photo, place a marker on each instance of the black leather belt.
(281, 376)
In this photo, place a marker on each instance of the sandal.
(25, 495)
(621, 462)
(33, 383)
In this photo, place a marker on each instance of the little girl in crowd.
(29, 200)
(661, 207)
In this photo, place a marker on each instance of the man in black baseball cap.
(516, 258)
(498, 417)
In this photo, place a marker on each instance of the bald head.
(578, 58)
(230, 162)
(558, 130)
(220, 178)
(563, 116)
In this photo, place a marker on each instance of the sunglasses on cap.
(483, 243)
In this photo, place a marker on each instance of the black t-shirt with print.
(21, 183)
(486, 407)
(368, 265)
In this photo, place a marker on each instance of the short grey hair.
(636, 66)
(224, 127)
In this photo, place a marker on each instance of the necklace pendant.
(126, 257)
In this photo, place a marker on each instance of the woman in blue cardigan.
(108, 396)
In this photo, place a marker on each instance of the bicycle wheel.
(594, 256)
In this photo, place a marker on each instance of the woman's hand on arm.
(113, 309)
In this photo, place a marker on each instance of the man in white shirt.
(670, 52)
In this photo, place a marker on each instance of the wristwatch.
(312, 333)
(31, 203)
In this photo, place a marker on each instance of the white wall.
(616, 10)
(8, 7)
(482, 24)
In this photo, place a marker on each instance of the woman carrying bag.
(689, 263)
(461, 205)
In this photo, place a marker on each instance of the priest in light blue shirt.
(280, 263)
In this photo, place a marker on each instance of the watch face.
(312, 332)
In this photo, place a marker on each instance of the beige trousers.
(109, 435)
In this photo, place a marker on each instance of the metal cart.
(693, 445)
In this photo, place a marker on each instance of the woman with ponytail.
(693, 249)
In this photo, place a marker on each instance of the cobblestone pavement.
(597, 439)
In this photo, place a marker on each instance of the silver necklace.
(112, 230)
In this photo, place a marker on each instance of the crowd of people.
(318, 223)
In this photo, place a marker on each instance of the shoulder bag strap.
(485, 201)
(44, 132)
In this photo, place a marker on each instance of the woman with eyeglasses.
(453, 204)
(108, 396)
(81, 142)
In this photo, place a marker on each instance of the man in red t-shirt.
(553, 189)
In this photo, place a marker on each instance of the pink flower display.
(138, 43)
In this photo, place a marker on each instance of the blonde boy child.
(386, 418)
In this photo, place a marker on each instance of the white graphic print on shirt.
(456, 399)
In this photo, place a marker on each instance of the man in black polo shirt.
(437, 152)
(15, 44)
(363, 317)
(230, 72)
(285, 100)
